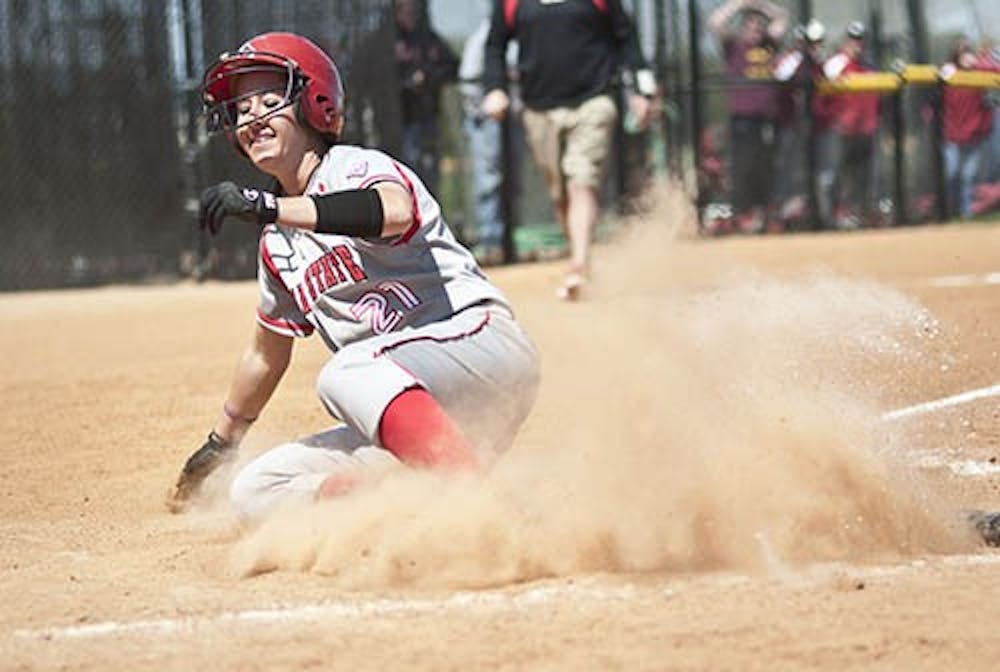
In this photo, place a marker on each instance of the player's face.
(266, 126)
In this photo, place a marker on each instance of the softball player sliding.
(430, 369)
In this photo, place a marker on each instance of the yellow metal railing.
(909, 75)
(862, 82)
(977, 79)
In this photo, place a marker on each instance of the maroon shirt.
(751, 62)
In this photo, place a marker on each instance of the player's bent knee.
(246, 494)
(258, 488)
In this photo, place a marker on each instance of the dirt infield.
(748, 454)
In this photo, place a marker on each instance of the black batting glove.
(228, 200)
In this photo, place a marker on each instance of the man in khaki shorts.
(567, 58)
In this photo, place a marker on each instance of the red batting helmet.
(312, 80)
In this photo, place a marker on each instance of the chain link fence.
(106, 151)
(104, 147)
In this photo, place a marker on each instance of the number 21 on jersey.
(375, 306)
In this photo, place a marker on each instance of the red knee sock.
(416, 430)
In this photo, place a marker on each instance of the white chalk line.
(968, 468)
(965, 280)
(465, 601)
(343, 609)
(946, 402)
(481, 600)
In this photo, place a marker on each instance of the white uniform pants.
(479, 365)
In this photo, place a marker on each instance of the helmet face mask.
(312, 84)
(221, 116)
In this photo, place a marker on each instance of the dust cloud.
(694, 416)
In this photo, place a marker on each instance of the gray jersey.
(350, 289)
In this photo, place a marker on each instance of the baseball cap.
(856, 30)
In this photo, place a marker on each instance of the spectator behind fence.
(425, 64)
(798, 66)
(569, 56)
(485, 136)
(967, 122)
(987, 193)
(749, 52)
(847, 150)
(992, 58)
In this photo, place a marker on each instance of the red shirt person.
(967, 123)
(967, 117)
(845, 180)
(798, 66)
(852, 113)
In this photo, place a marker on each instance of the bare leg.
(581, 218)
(561, 209)
(582, 211)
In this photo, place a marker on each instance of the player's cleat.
(987, 524)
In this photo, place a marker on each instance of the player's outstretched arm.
(383, 210)
(257, 376)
